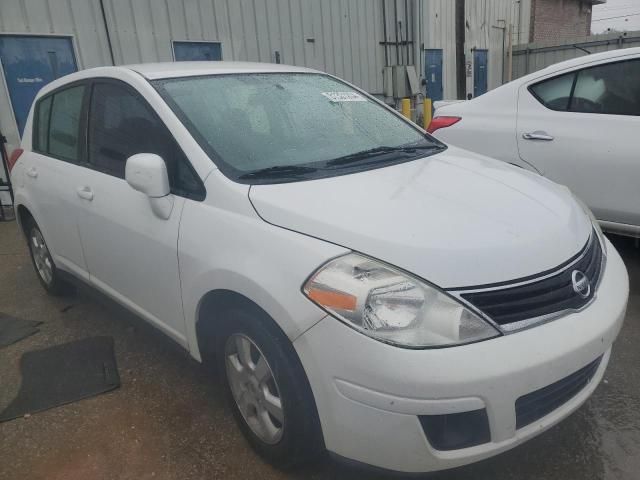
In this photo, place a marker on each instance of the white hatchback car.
(363, 288)
(575, 122)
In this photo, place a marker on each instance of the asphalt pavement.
(168, 420)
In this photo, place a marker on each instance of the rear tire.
(46, 270)
(261, 372)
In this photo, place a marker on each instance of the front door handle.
(32, 172)
(85, 192)
(537, 135)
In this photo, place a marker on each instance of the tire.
(46, 270)
(299, 440)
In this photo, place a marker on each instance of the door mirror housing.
(147, 173)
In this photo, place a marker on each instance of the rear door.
(580, 129)
(52, 172)
(131, 253)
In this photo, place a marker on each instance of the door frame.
(4, 85)
(173, 51)
(426, 51)
(486, 69)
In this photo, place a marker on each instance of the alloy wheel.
(254, 388)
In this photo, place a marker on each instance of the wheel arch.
(23, 215)
(211, 312)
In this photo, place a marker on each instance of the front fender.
(223, 250)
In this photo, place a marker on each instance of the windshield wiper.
(373, 152)
(278, 171)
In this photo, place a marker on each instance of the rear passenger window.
(64, 131)
(121, 124)
(41, 126)
(611, 89)
(554, 93)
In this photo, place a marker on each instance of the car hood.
(455, 219)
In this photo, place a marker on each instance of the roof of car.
(586, 59)
(154, 71)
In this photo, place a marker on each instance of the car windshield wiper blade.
(373, 152)
(278, 171)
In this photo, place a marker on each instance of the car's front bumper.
(370, 395)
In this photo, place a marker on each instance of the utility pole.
(461, 73)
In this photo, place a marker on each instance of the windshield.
(273, 127)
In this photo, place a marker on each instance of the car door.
(52, 172)
(131, 253)
(580, 129)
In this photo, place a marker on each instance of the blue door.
(433, 73)
(29, 63)
(186, 51)
(480, 81)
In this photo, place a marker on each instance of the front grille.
(535, 405)
(551, 294)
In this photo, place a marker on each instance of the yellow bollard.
(406, 108)
(426, 112)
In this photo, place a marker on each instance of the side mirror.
(147, 173)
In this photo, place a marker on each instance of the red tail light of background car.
(442, 122)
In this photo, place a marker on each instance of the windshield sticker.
(344, 96)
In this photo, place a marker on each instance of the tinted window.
(555, 93)
(609, 89)
(64, 129)
(41, 125)
(121, 124)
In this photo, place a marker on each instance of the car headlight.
(594, 222)
(392, 306)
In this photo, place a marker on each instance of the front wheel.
(268, 390)
(46, 270)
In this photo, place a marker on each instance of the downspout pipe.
(106, 29)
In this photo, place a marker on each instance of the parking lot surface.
(168, 419)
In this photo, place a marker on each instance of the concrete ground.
(168, 420)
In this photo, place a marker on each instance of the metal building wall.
(439, 32)
(337, 36)
(488, 24)
(438, 17)
(79, 18)
(536, 56)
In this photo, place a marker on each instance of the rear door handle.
(85, 192)
(32, 172)
(537, 135)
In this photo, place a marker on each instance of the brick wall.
(559, 20)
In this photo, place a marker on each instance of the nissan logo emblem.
(581, 284)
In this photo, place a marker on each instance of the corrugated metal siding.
(439, 32)
(532, 57)
(345, 34)
(338, 36)
(79, 18)
(483, 17)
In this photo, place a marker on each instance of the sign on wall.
(31, 62)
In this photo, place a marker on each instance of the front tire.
(43, 264)
(267, 389)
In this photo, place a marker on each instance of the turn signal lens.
(442, 122)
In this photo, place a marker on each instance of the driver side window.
(122, 124)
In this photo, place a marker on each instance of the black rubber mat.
(14, 329)
(63, 374)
